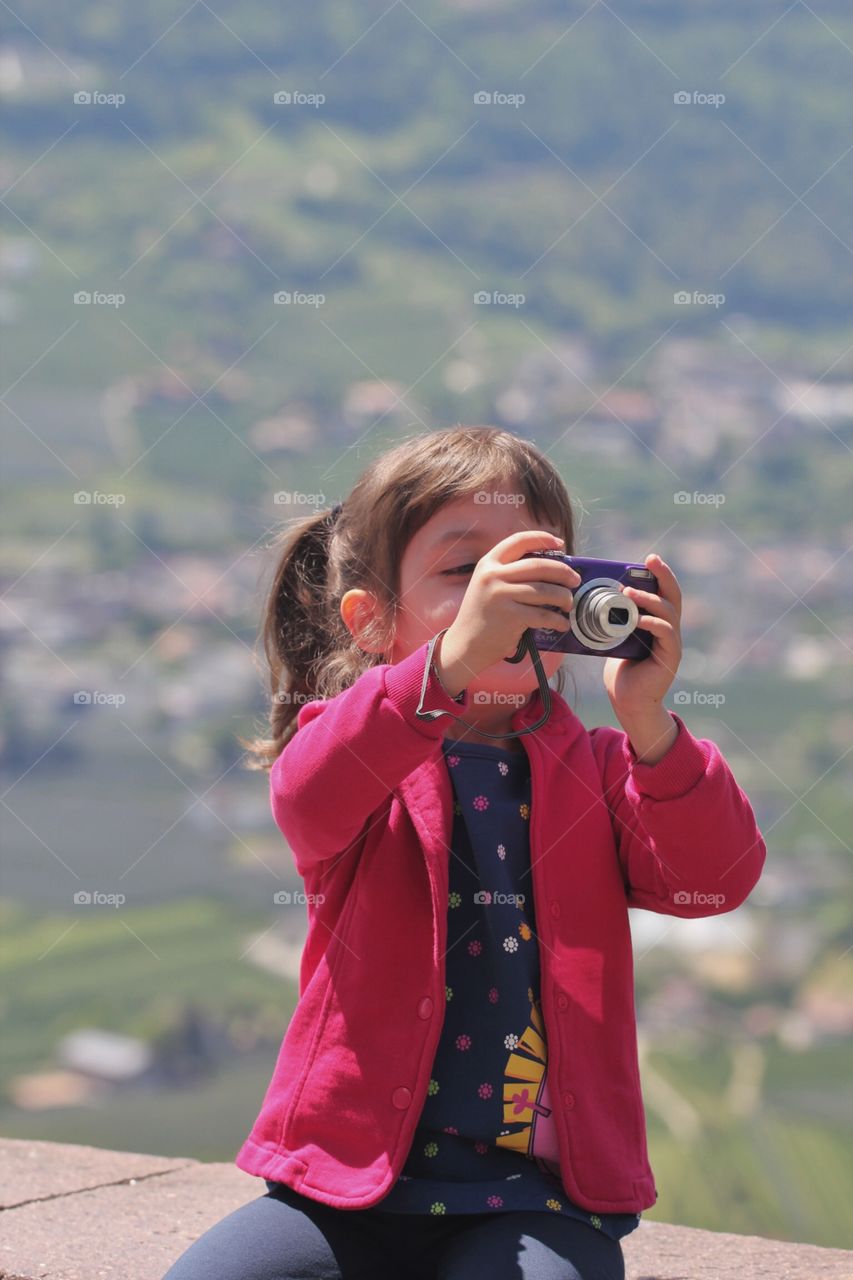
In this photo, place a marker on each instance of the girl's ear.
(358, 608)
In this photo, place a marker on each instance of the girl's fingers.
(660, 626)
(661, 629)
(649, 600)
(664, 643)
(667, 581)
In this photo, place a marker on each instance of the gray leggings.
(283, 1235)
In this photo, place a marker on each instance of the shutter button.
(425, 1008)
(401, 1097)
(568, 1101)
(562, 1000)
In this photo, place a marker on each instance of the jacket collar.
(427, 793)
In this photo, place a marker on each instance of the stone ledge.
(82, 1213)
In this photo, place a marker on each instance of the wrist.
(453, 674)
(651, 732)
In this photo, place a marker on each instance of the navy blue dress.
(486, 1139)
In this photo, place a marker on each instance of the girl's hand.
(508, 592)
(636, 686)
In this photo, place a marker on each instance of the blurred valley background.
(246, 247)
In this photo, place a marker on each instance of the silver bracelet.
(526, 644)
(457, 697)
(431, 668)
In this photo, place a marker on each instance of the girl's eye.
(462, 568)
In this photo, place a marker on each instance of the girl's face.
(436, 569)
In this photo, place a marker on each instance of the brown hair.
(309, 651)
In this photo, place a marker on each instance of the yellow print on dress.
(527, 1113)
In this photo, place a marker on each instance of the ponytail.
(301, 631)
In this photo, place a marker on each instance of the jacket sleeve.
(687, 839)
(350, 751)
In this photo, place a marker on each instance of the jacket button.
(425, 1008)
(555, 909)
(401, 1097)
(568, 1101)
(562, 1000)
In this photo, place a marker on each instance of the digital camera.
(603, 620)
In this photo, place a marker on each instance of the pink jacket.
(362, 794)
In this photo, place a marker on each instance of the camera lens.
(603, 616)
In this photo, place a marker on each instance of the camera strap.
(525, 645)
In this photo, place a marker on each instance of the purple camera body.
(603, 620)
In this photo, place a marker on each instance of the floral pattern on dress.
(486, 1141)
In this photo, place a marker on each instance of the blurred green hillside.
(399, 196)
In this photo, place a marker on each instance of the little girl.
(458, 1092)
